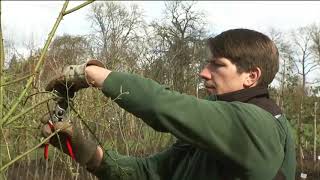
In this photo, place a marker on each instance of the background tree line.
(171, 50)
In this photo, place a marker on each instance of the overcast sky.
(25, 20)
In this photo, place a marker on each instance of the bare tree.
(305, 63)
(304, 59)
(64, 50)
(118, 34)
(178, 47)
(286, 64)
(315, 35)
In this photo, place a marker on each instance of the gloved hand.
(84, 149)
(71, 79)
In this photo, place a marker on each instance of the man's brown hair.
(247, 49)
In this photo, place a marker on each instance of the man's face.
(221, 76)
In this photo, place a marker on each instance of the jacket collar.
(258, 96)
(244, 95)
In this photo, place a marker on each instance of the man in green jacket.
(237, 133)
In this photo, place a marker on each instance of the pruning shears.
(59, 114)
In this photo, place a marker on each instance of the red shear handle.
(68, 143)
(70, 148)
(46, 151)
(46, 146)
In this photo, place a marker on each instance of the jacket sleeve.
(156, 167)
(243, 133)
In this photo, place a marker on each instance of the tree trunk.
(299, 134)
(315, 133)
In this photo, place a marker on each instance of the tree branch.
(29, 151)
(1, 67)
(311, 68)
(25, 111)
(78, 7)
(38, 65)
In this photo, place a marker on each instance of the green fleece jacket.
(217, 139)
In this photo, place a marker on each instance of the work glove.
(84, 149)
(71, 79)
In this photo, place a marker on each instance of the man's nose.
(205, 73)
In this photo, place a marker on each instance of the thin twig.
(87, 126)
(39, 63)
(42, 92)
(78, 7)
(6, 142)
(122, 134)
(26, 111)
(29, 151)
(17, 80)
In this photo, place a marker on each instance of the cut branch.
(41, 59)
(77, 7)
(1, 67)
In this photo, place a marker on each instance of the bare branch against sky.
(33, 18)
(25, 21)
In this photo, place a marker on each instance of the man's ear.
(252, 77)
